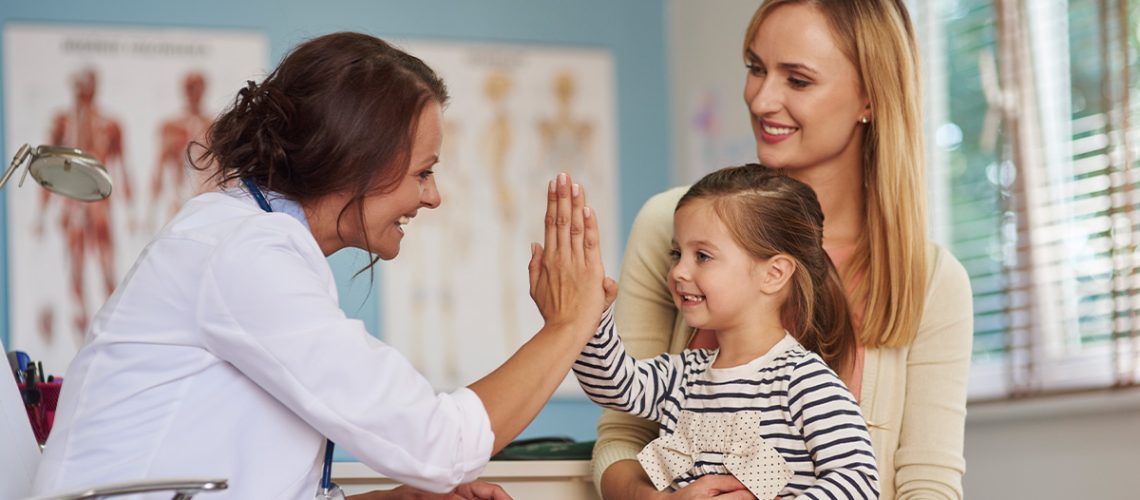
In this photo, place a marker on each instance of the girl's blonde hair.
(890, 267)
(768, 214)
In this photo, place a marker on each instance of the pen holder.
(40, 401)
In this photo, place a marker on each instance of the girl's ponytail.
(829, 331)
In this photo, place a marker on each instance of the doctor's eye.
(426, 173)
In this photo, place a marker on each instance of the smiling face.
(386, 213)
(715, 283)
(803, 93)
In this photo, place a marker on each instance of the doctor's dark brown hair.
(339, 114)
(768, 213)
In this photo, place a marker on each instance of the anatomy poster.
(456, 300)
(133, 98)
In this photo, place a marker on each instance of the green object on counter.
(552, 448)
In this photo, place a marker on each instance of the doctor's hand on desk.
(475, 490)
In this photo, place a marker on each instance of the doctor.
(224, 352)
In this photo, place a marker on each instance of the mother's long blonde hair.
(890, 267)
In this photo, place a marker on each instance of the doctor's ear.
(778, 271)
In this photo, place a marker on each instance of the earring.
(864, 120)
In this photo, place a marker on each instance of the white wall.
(1068, 447)
(706, 75)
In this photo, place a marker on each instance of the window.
(1032, 148)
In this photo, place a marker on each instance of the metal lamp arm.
(21, 155)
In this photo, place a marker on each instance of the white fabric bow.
(747, 456)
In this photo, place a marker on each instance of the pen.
(14, 362)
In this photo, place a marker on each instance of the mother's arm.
(929, 462)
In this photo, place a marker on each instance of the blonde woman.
(832, 88)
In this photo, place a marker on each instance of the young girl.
(766, 407)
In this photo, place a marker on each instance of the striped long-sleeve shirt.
(805, 412)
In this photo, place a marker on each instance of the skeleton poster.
(456, 300)
(133, 98)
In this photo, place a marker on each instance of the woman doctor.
(224, 352)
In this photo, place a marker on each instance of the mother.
(833, 92)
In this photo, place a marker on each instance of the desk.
(523, 480)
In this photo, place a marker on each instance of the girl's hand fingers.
(611, 289)
(591, 247)
(534, 268)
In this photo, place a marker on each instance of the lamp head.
(67, 171)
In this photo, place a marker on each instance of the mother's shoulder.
(946, 276)
(665, 200)
(658, 209)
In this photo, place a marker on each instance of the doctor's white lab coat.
(224, 353)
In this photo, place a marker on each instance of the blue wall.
(633, 30)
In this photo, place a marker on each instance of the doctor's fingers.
(577, 207)
(482, 490)
(563, 217)
(550, 228)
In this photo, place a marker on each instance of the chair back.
(19, 452)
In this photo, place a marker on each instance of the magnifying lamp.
(67, 171)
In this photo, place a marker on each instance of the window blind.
(1037, 147)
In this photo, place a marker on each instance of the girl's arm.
(835, 433)
(647, 315)
(613, 379)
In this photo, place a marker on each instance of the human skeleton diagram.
(566, 143)
(566, 138)
(496, 140)
(447, 233)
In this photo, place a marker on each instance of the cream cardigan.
(913, 397)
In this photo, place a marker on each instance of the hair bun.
(250, 95)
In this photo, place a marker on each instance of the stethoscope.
(327, 490)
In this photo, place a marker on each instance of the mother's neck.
(842, 197)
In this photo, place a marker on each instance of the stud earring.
(864, 120)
